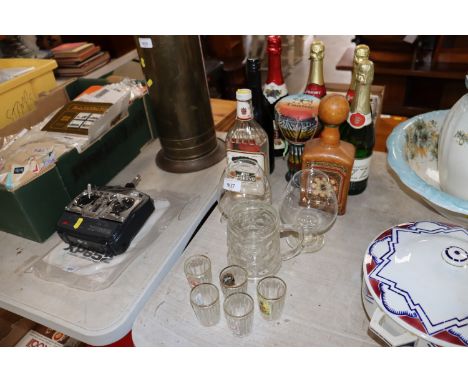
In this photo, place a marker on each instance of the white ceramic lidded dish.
(414, 284)
(453, 150)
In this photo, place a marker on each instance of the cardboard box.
(33, 210)
(13, 328)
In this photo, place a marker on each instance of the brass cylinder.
(174, 70)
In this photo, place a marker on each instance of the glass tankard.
(253, 238)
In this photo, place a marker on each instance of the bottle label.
(244, 110)
(337, 175)
(274, 92)
(315, 90)
(259, 156)
(360, 169)
(358, 120)
(231, 184)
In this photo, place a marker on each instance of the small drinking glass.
(243, 179)
(310, 201)
(204, 299)
(197, 270)
(233, 279)
(271, 293)
(238, 310)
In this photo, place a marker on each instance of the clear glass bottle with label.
(359, 128)
(247, 138)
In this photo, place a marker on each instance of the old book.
(77, 117)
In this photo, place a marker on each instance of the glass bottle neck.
(254, 83)
(330, 136)
(361, 100)
(275, 74)
(316, 72)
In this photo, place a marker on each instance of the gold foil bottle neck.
(317, 50)
(361, 52)
(365, 72)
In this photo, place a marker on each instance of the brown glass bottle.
(361, 53)
(328, 153)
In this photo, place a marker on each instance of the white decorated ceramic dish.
(414, 287)
(413, 155)
(453, 150)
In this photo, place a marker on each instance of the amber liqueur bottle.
(260, 105)
(275, 88)
(359, 128)
(328, 153)
(316, 85)
(361, 52)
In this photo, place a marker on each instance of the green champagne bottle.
(359, 128)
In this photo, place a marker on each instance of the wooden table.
(323, 304)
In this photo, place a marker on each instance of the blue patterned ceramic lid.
(418, 275)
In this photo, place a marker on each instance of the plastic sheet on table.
(87, 270)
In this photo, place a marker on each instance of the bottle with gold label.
(328, 153)
(316, 85)
(361, 52)
(359, 128)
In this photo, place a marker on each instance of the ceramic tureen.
(413, 153)
(453, 150)
(415, 277)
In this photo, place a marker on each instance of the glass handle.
(296, 250)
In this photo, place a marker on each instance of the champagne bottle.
(247, 138)
(359, 128)
(315, 85)
(361, 52)
(275, 88)
(260, 105)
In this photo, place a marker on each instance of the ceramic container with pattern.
(453, 150)
(414, 156)
(414, 284)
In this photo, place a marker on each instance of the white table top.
(102, 317)
(323, 305)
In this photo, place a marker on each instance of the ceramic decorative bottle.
(247, 138)
(316, 85)
(275, 88)
(359, 128)
(328, 153)
(453, 150)
(361, 52)
(260, 105)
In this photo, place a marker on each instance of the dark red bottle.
(275, 88)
